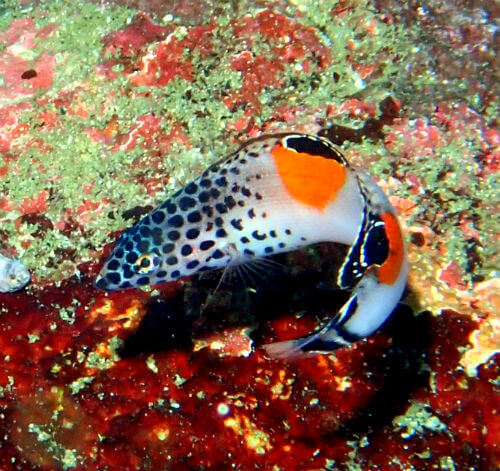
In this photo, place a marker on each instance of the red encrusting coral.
(125, 413)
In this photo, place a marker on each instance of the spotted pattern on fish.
(275, 194)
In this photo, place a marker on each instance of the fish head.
(13, 275)
(135, 261)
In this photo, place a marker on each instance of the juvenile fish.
(13, 275)
(275, 194)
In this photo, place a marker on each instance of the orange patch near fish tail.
(390, 269)
(311, 179)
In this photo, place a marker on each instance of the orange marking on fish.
(389, 270)
(311, 179)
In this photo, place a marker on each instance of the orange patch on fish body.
(311, 179)
(389, 271)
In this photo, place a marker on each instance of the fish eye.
(147, 263)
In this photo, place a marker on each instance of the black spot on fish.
(114, 278)
(221, 208)
(203, 197)
(229, 202)
(236, 223)
(186, 202)
(172, 260)
(113, 265)
(256, 235)
(176, 221)
(171, 207)
(192, 233)
(143, 280)
(194, 216)
(217, 254)
(128, 274)
(206, 244)
(167, 248)
(143, 246)
(220, 233)
(191, 188)
(145, 231)
(186, 250)
(208, 210)
(221, 181)
(158, 217)
(174, 235)
(192, 264)
(131, 257)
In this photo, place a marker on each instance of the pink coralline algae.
(20, 76)
(94, 134)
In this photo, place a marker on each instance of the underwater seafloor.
(106, 107)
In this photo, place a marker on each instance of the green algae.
(76, 160)
(417, 421)
(45, 435)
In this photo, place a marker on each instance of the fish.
(13, 275)
(275, 194)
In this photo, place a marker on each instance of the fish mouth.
(102, 283)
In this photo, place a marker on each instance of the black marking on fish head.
(314, 145)
(136, 259)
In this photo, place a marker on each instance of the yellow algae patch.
(234, 342)
(127, 315)
(485, 340)
(282, 389)
(104, 355)
(162, 432)
(255, 439)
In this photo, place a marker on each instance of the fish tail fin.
(325, 340)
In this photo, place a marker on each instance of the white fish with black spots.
(275, 194)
